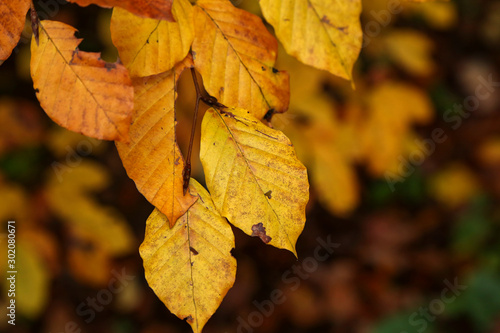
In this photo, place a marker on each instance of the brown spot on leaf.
(193, 250)
(109, 66)
(189, 319)
(258, 230)
(268, 194)
(176, 162)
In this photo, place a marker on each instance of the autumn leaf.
(12, 18)
(149, 46)
(323, 34)
(254, 176)
(411, 50)
(156, 9)
(464, 185)
(235, 55)
(152, 158)
(69, 198)
(392, 109)
(77, 89)
(190, 267)
(32, 292)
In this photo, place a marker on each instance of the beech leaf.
(149, 46)
(78, 90)
(254, 176)
(190, 267)
(152, 158)
(12, 18)
(235, 55)
(157, 9)
(323, 34)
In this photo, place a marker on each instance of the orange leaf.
(152, 158)
(12, 18)
(157, 9)
(77, 89)
(235, 55)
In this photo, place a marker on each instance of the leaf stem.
(186, 173)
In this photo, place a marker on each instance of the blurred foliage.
(80, 219)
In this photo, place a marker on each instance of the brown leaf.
(157, 9)
(78, 90)
(235, 55)
(12, 18)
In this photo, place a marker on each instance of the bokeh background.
(405, 183)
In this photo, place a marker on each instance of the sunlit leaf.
(235, 55)
(254, 176)
(148, 46)
(324, 34)
(190, 267)
(152, 158)
(77, 89)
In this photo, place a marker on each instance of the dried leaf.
(152, 158)
(157, 9)
(254, 176)
(324, 34)
(190, 267)
(148, 46)
(77, 89)
(12, 18)
(235, 55)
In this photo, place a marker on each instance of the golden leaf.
(411, 50)
(254, 176)
(324, 34)
(12, 18)
(69, 199)
(235, 55)
(157, 9)
(152, 158)
(454, 185)
(77, 89)
(148, 46)
(190, 267)
(392, 108)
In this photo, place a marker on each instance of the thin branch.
(186, 173)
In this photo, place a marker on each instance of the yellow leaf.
(335, 180)
(254, 176)
(411, 50)
(147, 46)
(235, 55)
(324, 34)
(32, 281)
(190, 267)
(392, 108)
(77, 89)
(152, 158)
(453, 186)
(88, 259)
(439, 15)
(12, 17)
(69, 199)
